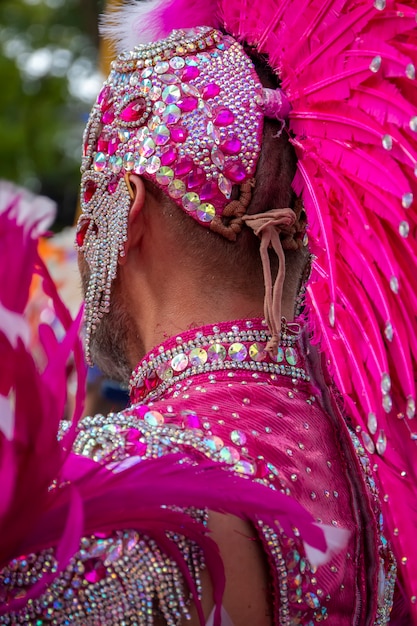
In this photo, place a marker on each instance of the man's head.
(186, 115)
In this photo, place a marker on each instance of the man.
(187, 169)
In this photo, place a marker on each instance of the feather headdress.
(347, 68)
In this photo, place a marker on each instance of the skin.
(159, 293)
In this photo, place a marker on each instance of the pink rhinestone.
(89, 190)
(94, 570)
(224, 117)
(235, 171)
(113, 145)
(178, 134)
(190, 72)
(183, 166)
(169, 156)
(231, 146)
(108, 115)
(208, 191)
(210, 91)
(112, 186)
(103, 96)
(102, 143)
(192, 421)
(196, 178)
(134, 111)
(188, 104)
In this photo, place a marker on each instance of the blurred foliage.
(49, 80)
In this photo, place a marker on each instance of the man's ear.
(134, 224)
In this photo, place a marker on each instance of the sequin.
(191, 201)
(176, 189)
(291, 356)
(257, 352)
(153, 165)
(171, 94)
(206, 212)
(216, 352)
(179, 362)
(237, 351)
(164, 175)
(198, 356)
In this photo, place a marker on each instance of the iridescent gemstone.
(183, 166)
(161, 67)
(381, 443)
(168, 156)
(159, 107)
(225, 185)
(372, 423)
(147, 72)
(171, 94)
(237, 352)
(216, 353)
(206, 212)
(100, 161)
(147, 147)
(196, 178)
(368, 443)
(191, 201)
(154, 418)
(291, 356)
(213, 132)
(153, 165)
(224, 117)
(154, 93)
(385, 383)
(176, 189)
(393, 283)
(375, 64)
(164, 175)
(229, 455)
(188, 104)
(231, 146)
(116, 163)
(169, 79)
(179, 362)
(171, 114)
(198, 356)
(257, 352)
(235, 171)
(134, 111)
(280, 355)
(114, 143)
(208, 191)
(177, 63)
(129, 161)
(217, 157)
(108, 115)
(410, 408)
(214, 443)
(245, 467)
(387, 142)
(292, 559)
(190, 90)
(404, 229)
(140, 165)
(134, 79)
(154, 122)
(238, 437)
(210, 91)
(161, 135)
(165, 371)
(312, 600)
(143, 133)
(387, 402)
(190, 72)
(124, 135)
(146, 86)
(178, 134)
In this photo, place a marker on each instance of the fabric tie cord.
(268, 226)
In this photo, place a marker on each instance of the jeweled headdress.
(347, 68)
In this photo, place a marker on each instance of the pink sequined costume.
(185, 111)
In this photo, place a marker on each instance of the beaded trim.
(217, 349)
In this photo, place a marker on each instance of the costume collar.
(235, 345)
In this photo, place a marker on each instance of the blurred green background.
(49, 80)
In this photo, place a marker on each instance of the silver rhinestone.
(393, 283)
(389, 332)
(413, 123)
(332, 315)
(385, 383)
(372, 423)
(407, 199)
(411, 408)
(381, 443)
(380, 4)
(387, 402)
(375, 64)
(410, 71)
(404, 229)
(387, 142)
(368, 443)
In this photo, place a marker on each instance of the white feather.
(336, 540)
(132, 24)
